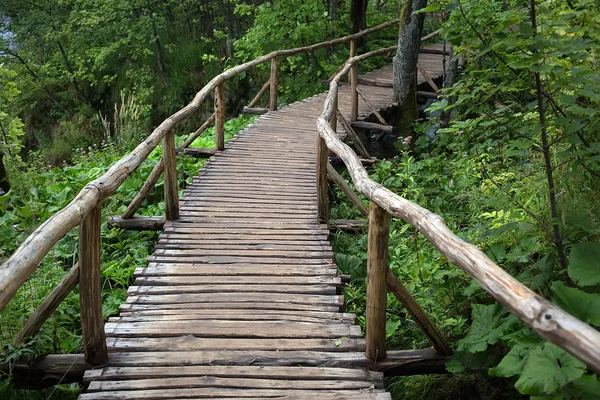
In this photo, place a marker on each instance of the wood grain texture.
(220, 116)
(170, 176)
(274, 80)
(90, 289)
(377, 266)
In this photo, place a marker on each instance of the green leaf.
(588, 387)
(429, 9)
(584, 264)
(583, 305)
(512, 363)
(391, 326)
(547, 369)
(487, 327)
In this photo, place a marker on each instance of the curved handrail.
(548, 320)
(17, 269)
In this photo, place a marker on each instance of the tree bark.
(451, 75)
(405, 65)
(358, 19)
(4, 184)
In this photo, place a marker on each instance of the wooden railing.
(548, 320)
(85, 209)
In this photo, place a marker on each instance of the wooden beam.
(550, 322)
(322, 187)
(49, 305)
(171, 186)
(220, 116)
(377, 265)
(199, 131)
(421, 318)
(262, 91)
(360, 147)
(373, 126)
(347, 190)
(197, 152)
(428, 78)
(431, 35)
(137, 223)
(145, 191)
(90, 289)
(274, 81)
(347, 225)
(353, 83)
(373, 110)
(425, 50)
(49, 370)
(255, 110)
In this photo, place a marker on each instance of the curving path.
(241, 297)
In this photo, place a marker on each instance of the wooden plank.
(234, 394)
(223, 259)
(235, 314)
(232, 329)
(237, 298)
(207, 245)
(255, 110)
(241, 287)
(313, 373)
(224, 305)
(90, 288)
(239, 270)
(184, 253)
(213, 382)
(240, 316)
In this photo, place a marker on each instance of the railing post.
(377, 265)
(220, 116)
(273, 90)
(354, 83)
(90, 289)
(170, 177)
(322, 161)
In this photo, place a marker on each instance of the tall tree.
(405, 64)
(358, 18)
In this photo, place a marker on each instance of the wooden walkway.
(241, 298)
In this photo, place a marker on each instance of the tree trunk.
(451, 75)
(358, 19)
(4, 185)
(405, 65)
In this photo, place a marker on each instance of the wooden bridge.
(241, 298)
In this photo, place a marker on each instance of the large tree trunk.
(358, 18)
(4, 185)
(405, 65)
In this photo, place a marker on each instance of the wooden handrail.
(548, 320)
(17, 269)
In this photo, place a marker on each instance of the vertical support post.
(354, 83)
(322, 161)
(90, 288)
(377, 265)
(170, 176)
(220, 116)
(273, 90)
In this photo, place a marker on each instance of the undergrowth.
(44, 192)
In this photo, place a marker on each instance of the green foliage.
(41, 194)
